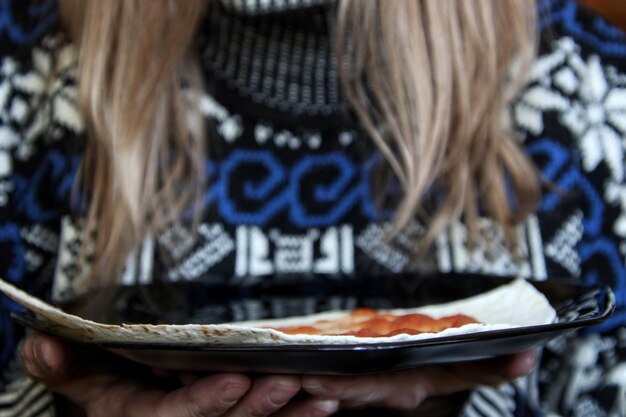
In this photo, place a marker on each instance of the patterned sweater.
(291, 184)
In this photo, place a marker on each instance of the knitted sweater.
(291, 190)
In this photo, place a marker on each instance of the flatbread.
(512, 305)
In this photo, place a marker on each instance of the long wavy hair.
(429, 80)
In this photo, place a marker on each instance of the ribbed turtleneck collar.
(259, 7)
(277, 53)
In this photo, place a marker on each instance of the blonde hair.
(437, 76)
(429, 81)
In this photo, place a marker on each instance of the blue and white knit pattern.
(297, 197)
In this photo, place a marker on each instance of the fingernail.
(232, 392)
(281, 393)
(324, 408)
(40, 355)
(315, 387)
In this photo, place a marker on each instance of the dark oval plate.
(577, 307)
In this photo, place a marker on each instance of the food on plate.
(367, 322)
(491, 310)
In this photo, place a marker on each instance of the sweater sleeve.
(38, 124)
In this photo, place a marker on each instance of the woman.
(191, 132)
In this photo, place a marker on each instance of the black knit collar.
(260, 7)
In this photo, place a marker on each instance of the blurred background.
(613, 10)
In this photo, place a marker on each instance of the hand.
(406, 390)
(107, 387)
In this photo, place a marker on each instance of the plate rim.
(27, 318)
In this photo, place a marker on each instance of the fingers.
(104, 389)
(65, 370)
(62, 368)
(270, 395)
(400, 390)
(406, 390)
(52, 361)
(312, 407)
(493, 372)
(275, 395)
(212, 396)
(266, 396)
(519, 365)
(229, 395)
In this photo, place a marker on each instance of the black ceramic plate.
(577, 307)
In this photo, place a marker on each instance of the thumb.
(46, 359)
(52, 361)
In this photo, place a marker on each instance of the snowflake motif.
(598, 120)
(10, 82)
(37, 102)
(615, 193)
(582, 94)
(56, 108)
(551, 76)
(590, 101)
